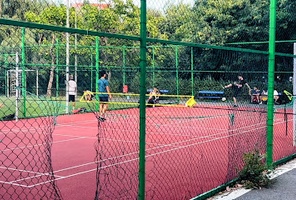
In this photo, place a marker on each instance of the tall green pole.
(143, 64)
(24, 86)
(6, 78)
(91, 69)
(57, 67)
(97, 66)
(192, 75)
(153, 66)
(177, 68)
(124, 65)
(270, 101)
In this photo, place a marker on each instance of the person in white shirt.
(72, 86)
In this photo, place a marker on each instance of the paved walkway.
(284, 187)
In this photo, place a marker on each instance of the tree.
(16, 8)
(51, 15)
(174, 21)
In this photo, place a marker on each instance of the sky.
(155, 4)
(162, 4)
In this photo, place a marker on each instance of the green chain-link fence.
(168, 150)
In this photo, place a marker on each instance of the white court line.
(30, 186)
(37, 145)
(177, 148)
(14, 182)
(26, 171)
(107, 166)
(209, 136)
(150, 155)
(132, 141)
(114, 164)
(122, 156)
(220, 133)
(128, 155)
(118, 163)
(22, 130)
(83, 137)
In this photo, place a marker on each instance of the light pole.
(76, 59)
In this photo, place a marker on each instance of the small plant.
(255, 174)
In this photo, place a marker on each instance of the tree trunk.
(51, 73)
(109, 75)
(1, 9)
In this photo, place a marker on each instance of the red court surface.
(175, 145)
(189, 151)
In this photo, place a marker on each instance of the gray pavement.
(282, 188)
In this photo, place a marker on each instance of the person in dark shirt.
(237, 88)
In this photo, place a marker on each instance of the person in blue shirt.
(104, 94)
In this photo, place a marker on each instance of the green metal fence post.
(57, 67)
(153, 66)
(192, 75)
(270, 100)
(124, 65)
(143, 63)
(91, 69)
(177, 68)
(24, 82)
(97, 66)
(6, 78)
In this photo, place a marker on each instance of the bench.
(210, 94)
(161, 91)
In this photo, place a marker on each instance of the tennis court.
(188, 151)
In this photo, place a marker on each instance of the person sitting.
(153, 96)
(276, 97)
(255, 95)
(264, 95)
(88, 95)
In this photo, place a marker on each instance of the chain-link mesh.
(27, 124)
(189, 149)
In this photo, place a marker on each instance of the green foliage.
(255, 172)
(229, 21)
(175, 17)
